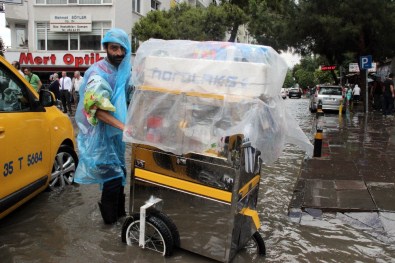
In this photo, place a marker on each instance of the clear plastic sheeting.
(191, 95)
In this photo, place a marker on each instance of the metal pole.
(366, 92)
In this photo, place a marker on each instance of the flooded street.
(67, 226)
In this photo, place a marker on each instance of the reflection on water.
(67, 226)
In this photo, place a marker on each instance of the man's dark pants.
(388, 105)
(112, 204)
(65, 98)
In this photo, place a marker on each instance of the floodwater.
(67, 227)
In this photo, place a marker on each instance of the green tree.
(183, 22)
(289, 81)
(337, 28)
(269, 22)
(236, 15)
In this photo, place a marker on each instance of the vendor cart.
(203, 119)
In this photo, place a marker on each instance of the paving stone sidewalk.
(355, 175)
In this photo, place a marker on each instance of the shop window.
(88, 42)
(57, 41)
(41, 35)
(74, 41)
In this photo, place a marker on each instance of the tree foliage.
(337, 29)
(289, 81)
(183, 22)
(269, 22)
(308, 74)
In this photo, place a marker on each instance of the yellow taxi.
(37, 141)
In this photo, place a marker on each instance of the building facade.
(64, 35)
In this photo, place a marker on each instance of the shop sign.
(328, 68)
(70, 23)
(59, 59)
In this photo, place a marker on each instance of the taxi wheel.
(63, 169)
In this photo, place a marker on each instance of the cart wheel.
(157, 235)
(170, 224)
(256, 245)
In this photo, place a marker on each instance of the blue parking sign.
(366, 62)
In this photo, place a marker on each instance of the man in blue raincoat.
(100, 116)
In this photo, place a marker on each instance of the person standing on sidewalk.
(356, 93)
(377, 93)
(65, 92)
(77, 81)
(100, 116)
(54, 86)
(33, 79)
(18, 67)
(389, 95)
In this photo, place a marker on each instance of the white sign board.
(373, 68)
(353, 67)
(207, 76)
(70, 23)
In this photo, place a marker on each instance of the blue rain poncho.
(101, 149)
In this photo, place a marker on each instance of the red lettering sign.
(68, 59)
(328, 67)
(27, 58)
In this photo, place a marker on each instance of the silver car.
(329, 96)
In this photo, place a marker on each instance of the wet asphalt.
(66, 226)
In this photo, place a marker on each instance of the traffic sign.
(366, 62)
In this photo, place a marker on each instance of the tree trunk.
(233, 33)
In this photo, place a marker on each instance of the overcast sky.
(4, 32)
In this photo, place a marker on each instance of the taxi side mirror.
(47, 98)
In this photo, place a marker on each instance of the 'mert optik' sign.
(206, 76)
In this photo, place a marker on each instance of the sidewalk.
(356, 172)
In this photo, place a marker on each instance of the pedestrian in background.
(356, 93)
(388, 95)
(65, 92)
(77, 81)
(349, 98)
(100, 116)
(54, 86)
(377, 93)
(33, 79)
(18, 67)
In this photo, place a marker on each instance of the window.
(136, 6)
(13, 94)
(73, 2)
(49, 40)
(135, 44)
(155, 5)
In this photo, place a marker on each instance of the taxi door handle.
(2, 129)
